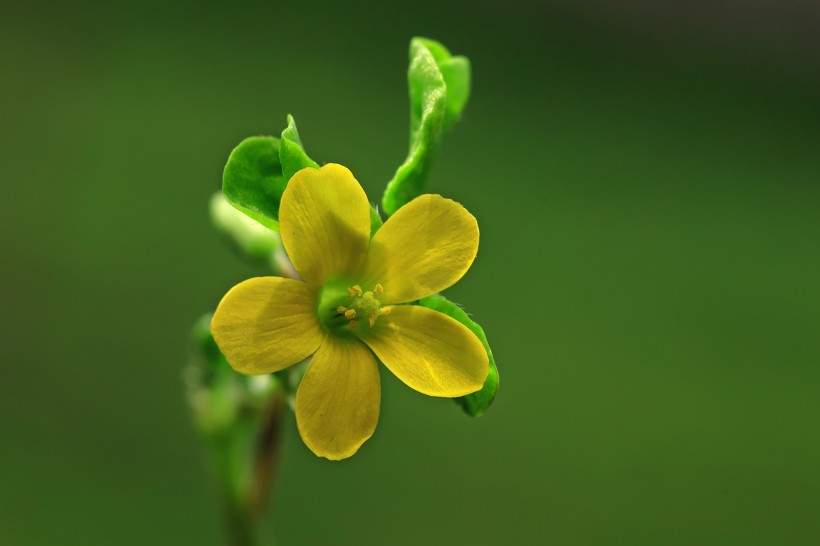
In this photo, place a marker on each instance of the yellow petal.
(337, 404)
(431, 352)
(266, 324)
(424, 248)
(324, 221)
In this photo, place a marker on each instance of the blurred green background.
(647, 184)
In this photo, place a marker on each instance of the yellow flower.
(348, 310)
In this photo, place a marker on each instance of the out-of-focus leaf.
(292, 155)
(439, 86)
(217, 394)
(211, 385)
(252, 238)
(475, 403)
(253, 181)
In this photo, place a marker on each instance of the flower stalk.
(241, 419)
(246, 499)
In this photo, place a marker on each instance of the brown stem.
(267, 456)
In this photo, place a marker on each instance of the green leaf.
(258, 171)
(292, 155)
(253, 182)
(439, 86)
(476, 403)
(456, 73)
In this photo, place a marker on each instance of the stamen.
(363, 304)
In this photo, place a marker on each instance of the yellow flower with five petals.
(350, 308)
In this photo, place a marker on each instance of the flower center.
(362, 305)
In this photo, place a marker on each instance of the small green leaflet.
(439, 86)
(456, 74)
(476, 403)
(291, 154)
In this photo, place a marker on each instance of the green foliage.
(439, 86)
(253, 181)
(456, 74)
(476, 403)
(258, 171)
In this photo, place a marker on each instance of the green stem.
(248, 457)
(267, 454)
(241, 529)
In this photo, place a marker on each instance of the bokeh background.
(647, 180)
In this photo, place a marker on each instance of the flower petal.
(324, 221)
(337, 404)
(266, 324)
(425, 247)
(431, 352)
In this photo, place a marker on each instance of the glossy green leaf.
(258, 171)
(439, 86)
(292, 155)
(253, 182)
(476, 403)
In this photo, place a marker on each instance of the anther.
(378, 289)
(368, 295)
(385, 311)
(341, 309)
(354, 290)
(350, 314)
(373, 318)
(352, 324)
